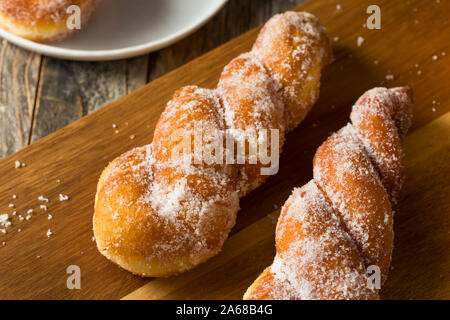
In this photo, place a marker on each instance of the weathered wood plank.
(19, 71)
(58, 99)
(137, 72)
(69, 90)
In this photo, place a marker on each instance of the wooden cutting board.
(412, 48)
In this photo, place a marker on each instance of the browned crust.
(42, 21)
(151, 238)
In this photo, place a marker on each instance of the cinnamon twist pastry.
(341, 222)
(162, 209)
(43, 20)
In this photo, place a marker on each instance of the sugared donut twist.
(281, 46)
(164, 208)
(43, 20)
(341, 222)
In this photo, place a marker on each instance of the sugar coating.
(43, 20)
(352, 184)
(162, 209)
(341, 222)
(322, 261)
(32, 11)
(295, 48)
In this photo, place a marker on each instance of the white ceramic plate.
(125, 28)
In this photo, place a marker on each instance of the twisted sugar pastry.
(157, 214)
(42, 20)
(334, 227)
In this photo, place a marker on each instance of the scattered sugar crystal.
(4, 220)
(272, 218)
(63, 197)
(49, 233)
(42, 198)
(359, 41)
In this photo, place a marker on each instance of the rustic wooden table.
(39, 94)
(412, 48)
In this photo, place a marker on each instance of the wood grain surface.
(412, 47)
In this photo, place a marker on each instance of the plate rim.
(114, 54)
